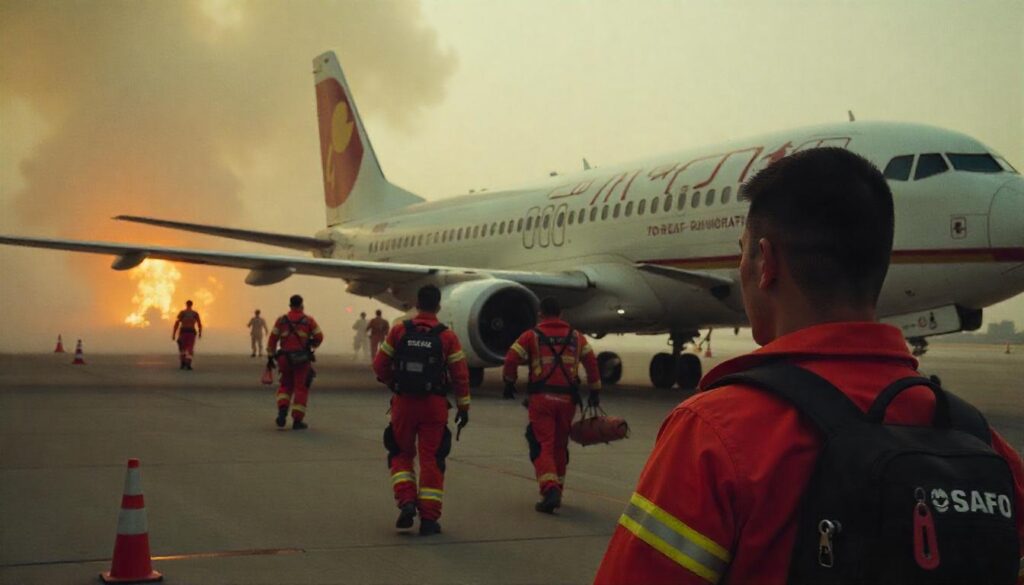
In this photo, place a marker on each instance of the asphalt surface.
(231, 499)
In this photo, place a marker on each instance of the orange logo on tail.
(341, 150)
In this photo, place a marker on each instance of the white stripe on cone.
(133, 482)
(132, 522)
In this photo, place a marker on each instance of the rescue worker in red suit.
(299, 335)
(419, 419)
(718, 498)
(186, 327)
(378, 329)
(553, 352)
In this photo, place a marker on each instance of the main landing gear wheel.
(610, 367)
(476, 377)
(662, 370)
(688, 371)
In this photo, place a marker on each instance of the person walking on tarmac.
(186, 327)
(378, 329)
(257, 329)
(553, 351)
(299, 336)
(360, 343)
(726, 495)
(420, 361)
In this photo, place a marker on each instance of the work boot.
(188, 366)
(405, 517)
(299, 425)
(282, 417)
(429, 527)
(552, 499)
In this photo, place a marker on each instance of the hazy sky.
(204, 111)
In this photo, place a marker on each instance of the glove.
(593, 399)
(462, 418)
(510, 391)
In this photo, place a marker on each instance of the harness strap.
(570, 339)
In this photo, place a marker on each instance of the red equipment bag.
(595, 428)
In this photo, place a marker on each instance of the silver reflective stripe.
(133, 482)
(675, 540)
(132, 522)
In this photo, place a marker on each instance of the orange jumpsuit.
(718, 498)
(296, 331)
(188, 321)
(422, 420)
(378, 329)
(552, 404)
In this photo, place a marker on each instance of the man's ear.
(769, 264)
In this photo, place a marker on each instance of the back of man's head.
(295, 302)
(188, 304)
(549, 307)
(377, 312)
(428, 298)
(829, 214)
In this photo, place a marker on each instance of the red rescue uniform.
(552, 406)
(420, 423)
(378, 329)
(186, 326)
(296, 331)
(718, 497)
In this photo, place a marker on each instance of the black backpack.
(420, 365)
(893, 503)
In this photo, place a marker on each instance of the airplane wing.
(270, 268)
(281, 240)
(718, 286)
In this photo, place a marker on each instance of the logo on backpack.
(940, 501)
(964, 501)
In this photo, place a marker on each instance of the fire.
(157, 281)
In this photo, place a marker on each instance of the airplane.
(648, 247)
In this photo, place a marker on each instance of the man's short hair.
(428, 298)
(188, 303)
(378, 312)
(257, 311)
(549, 307)
(829, 213)
(295, 301)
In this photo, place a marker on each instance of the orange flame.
(157, 281)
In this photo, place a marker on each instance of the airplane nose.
(1006, 221)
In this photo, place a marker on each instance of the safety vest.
(551, 356)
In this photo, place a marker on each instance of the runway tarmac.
(230, 499)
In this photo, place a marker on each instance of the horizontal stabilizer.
(279, 240)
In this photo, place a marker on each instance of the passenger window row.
(608, 211)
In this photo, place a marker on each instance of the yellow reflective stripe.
(282, 396)
(463, 400)
(275, 331)
(386, 349)
(298, 407)
(596, 385)
(547, 477)
(456, 357)
(402, 476)
(431, 494)
(674, 539)
(519, 350)
(587, 349)
(317, 330)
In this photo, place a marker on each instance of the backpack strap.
(815, 397)
(437, 329)
(950, 410)
(570, 339)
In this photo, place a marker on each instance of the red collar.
(552, 321)
(866, 340)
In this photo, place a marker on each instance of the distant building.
(1003, 330)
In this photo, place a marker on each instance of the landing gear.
(920, 345)
(610, 367)
(476, 377)
(683, 369)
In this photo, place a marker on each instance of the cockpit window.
(930, 164)
(1006, 165)
(898, 168)
(974, 163)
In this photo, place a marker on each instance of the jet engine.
(488, 316)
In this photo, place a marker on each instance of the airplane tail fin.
(354, 185)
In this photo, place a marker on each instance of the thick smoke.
(170, 109)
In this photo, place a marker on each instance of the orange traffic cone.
(79, 358)
(60, 345)
(132, 563)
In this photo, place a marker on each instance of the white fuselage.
(683, 211)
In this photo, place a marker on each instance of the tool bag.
(892, 503)
(595, 426)
(419, 363)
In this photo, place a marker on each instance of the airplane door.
(558, 229)
(544, 225)
(530, 229)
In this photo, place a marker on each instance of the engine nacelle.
(488, 316)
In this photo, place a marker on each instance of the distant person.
(421, 361)
(299, 336)
(257, 329)
(553, 352)
(187, 327)
(742, 487)
(360, 341)
(378, 329)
